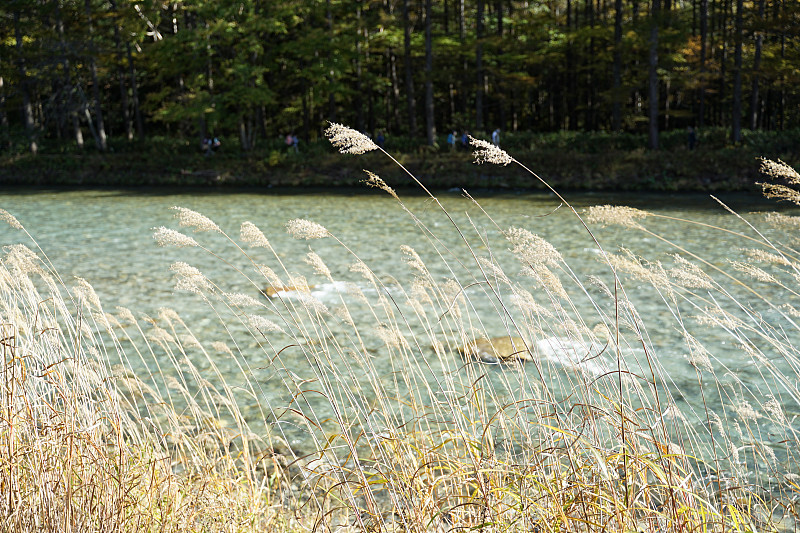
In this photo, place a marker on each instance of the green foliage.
(253, 70)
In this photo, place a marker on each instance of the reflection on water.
(106, 238)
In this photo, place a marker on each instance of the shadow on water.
(738, 201)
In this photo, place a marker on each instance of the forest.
(79, 72)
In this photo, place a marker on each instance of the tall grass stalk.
(484, 387)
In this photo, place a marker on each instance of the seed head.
(349, 141)
(170, 237)
(270, 275)
(524, 301)
(313, 259)
(616, 215)
(242, 300)
(745, 410)
(311, 304)
(699, 357)
(160, 335)
(414, 260)
(780, 192)
(253, 236)
(22, 259)
(86, 294)
(10, 219)
(763, 256)
(189, 278)
(263, 324)
(373, 180)
(486, 152)
(221, 347)
(783, 222)
(126, 315)
(779, 170)
(391, 336)
(689, 275)
(673, 413)
(531, 248)
(754, 272)
(774, 410)
(190, 341)
(193, 219)
(305, 229)
(361, 268)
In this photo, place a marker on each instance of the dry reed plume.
(389, 415)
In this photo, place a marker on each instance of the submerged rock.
(273, 292)
(570, 354)
(497, 350)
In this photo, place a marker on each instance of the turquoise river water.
(106, 237)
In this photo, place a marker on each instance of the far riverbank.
(567, 160)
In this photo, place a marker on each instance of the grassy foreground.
(575, 160)
(113, 421)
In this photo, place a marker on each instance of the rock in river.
(497, 350)
(273, 292)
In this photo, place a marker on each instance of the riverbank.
(578, 161)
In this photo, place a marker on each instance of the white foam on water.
(572, 354)
(329, 292)
(324, 292)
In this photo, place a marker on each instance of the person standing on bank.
(692, 138)
(496, 137)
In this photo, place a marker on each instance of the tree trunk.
(394, 115)
(137, 113)
(756, 69)
(410, 101)
(723, 62)
(701, 112)
(306, 115)
(245, 137)
(27, 108)
(359, 85)
(616, 96)
(588, 121)
(430, 126)
(88, 116)
(499, 91)
(461, 31)
(479, 70)
(782, 94)
(98, 110)
(6, 135)
(331, 94)
(463, 101)
(653, 76)
(70, 103)
(736, 122)
(123, 90)
(572, 86)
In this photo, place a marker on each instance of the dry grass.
(91, 447)
(113, 422)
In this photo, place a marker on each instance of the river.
(106, 237)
